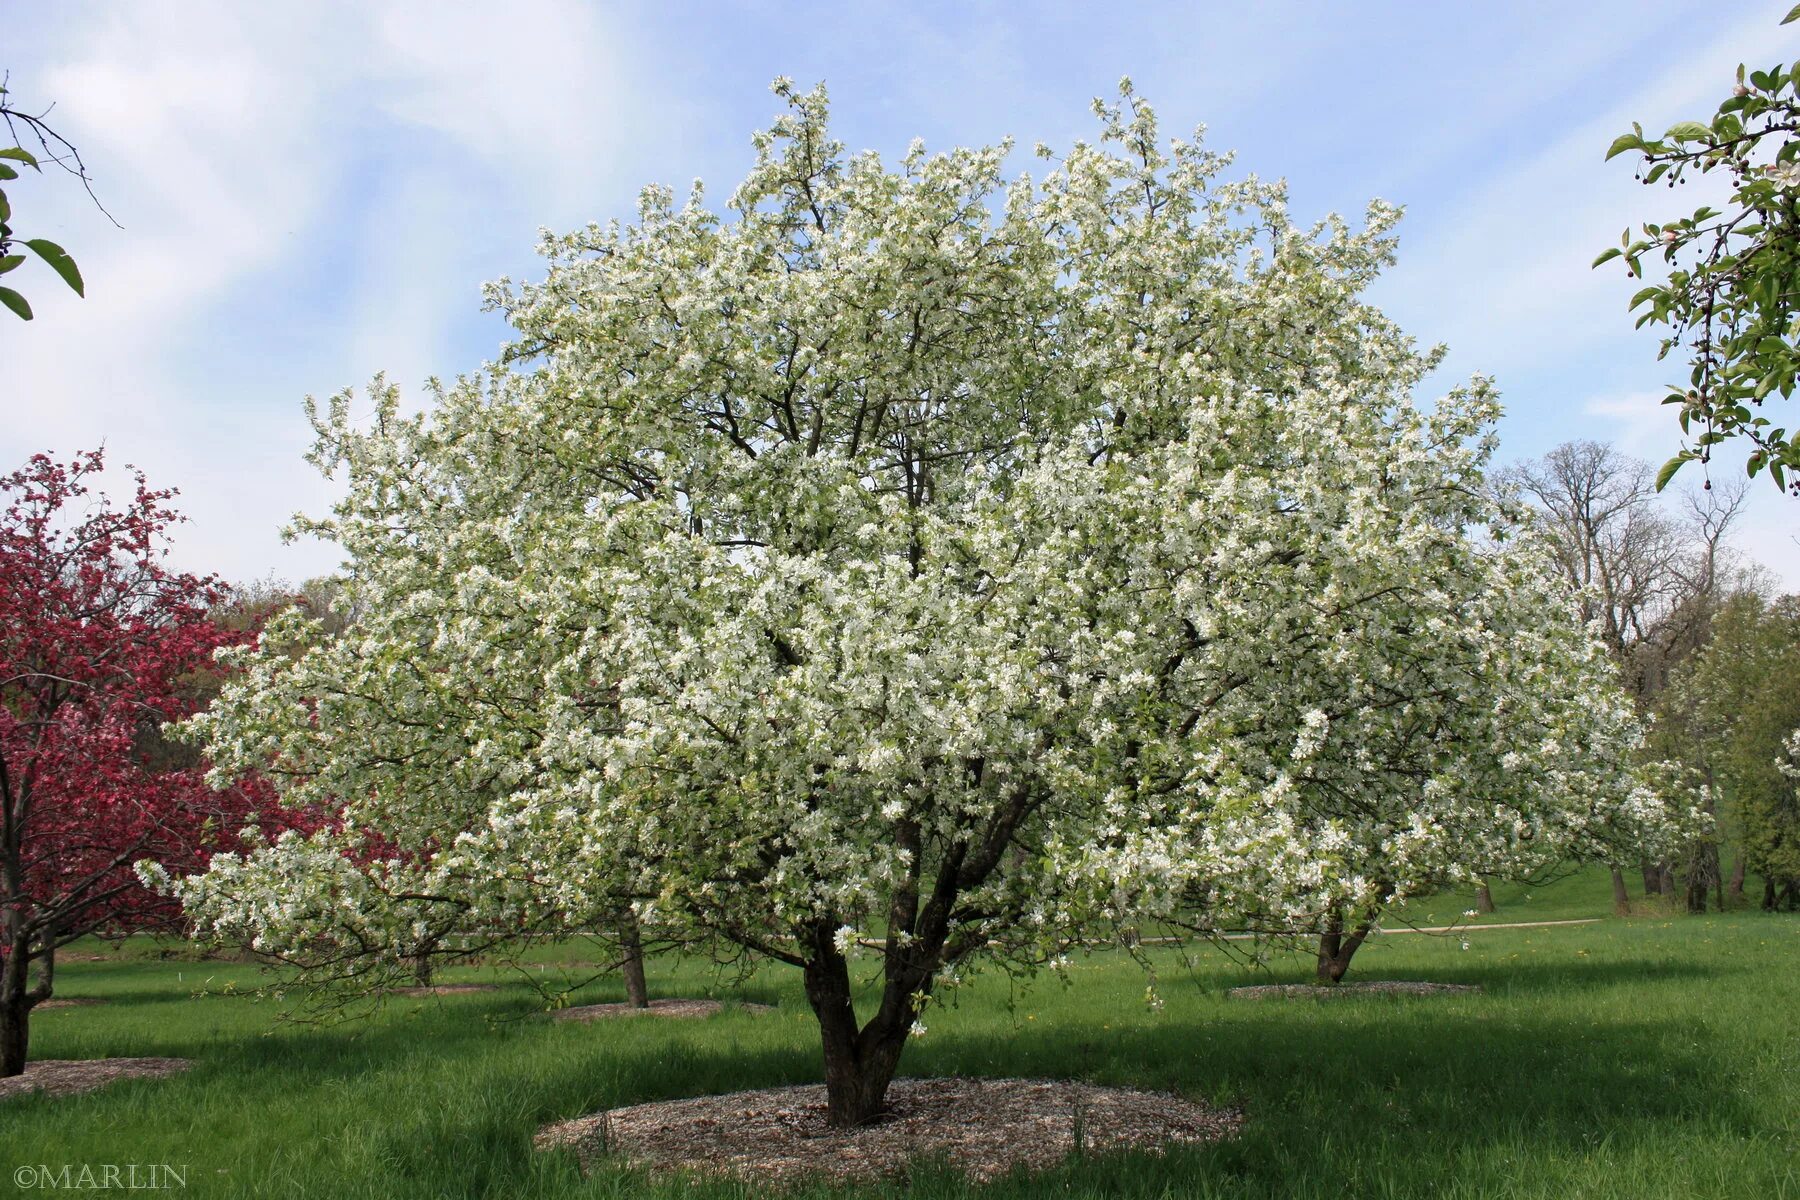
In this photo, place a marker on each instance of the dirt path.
(1472, 926)
(1381, 932)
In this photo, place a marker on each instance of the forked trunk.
(631, 961)
(1621, 898)
(1337, 948)
(859, 1064)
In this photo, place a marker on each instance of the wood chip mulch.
(68, 1002)
(981, 1127)
(658, 1008)
(1392, 987)
(69, 1076)
(444, 989)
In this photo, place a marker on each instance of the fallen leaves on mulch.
(981, 1127)
(1397, 987)
(68, 1076)
(67, 1002)
(444, 989)
(658, 1008)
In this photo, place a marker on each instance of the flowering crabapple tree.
(98, 639)
(912, 567)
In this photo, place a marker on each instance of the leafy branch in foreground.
(53, 148)
(1730, 293)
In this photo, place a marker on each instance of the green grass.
(1635, 1059)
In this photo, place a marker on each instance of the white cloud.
(308, 195)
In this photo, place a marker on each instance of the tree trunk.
(631, 961)
(1768, 893)
(1734, 888)
(1621, 898)
(1484, 899)
(1665, 884)
(859, 1065)
(1652, 880)
(421, 968)
(16, 1003)
(1336, 949)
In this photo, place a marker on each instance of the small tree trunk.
(15, 1011)
(631, 961)
(859, 1065)
(1665, 880)
(1621, 898)
(1484, 899)
(1652, 880)
(421, 968)
(1768, 894)
(1734, 887)
(1336, 948)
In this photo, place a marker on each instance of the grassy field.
(1640, 1058)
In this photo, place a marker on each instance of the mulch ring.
(68, 1002)
(658, 1008)
(981, 1127)
(68, 1076)
(444, 989)
(1319, 991)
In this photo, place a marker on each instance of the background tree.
(96, 639)
(1647, 577)
(1730, 712)
(910, 569)
(1733, 279)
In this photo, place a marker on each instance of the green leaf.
(10, 261)
(7, 172)
(15, 302)
(59, 261)
(1608, 255)
(1668, 471)
(1622, 143)
(1793, 15)
(20, 154)
(1688, 131)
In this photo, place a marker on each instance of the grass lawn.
(1634, 1058)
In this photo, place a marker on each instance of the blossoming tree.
(912, 567)
(97, 641)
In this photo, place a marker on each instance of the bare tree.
(1649, 575)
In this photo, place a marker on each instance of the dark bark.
(15, 1015)
(1484, 899)
(1621, 898)
(422, 968)
(631, 960)
(1734, 887)
(1652, 880)
(1768, 902)
(17, 1000)
(859, 1064)
(1336, 948)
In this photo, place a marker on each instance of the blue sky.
(314, 192)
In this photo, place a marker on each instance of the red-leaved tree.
(100, 643)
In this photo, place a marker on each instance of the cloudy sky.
(311, 193)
